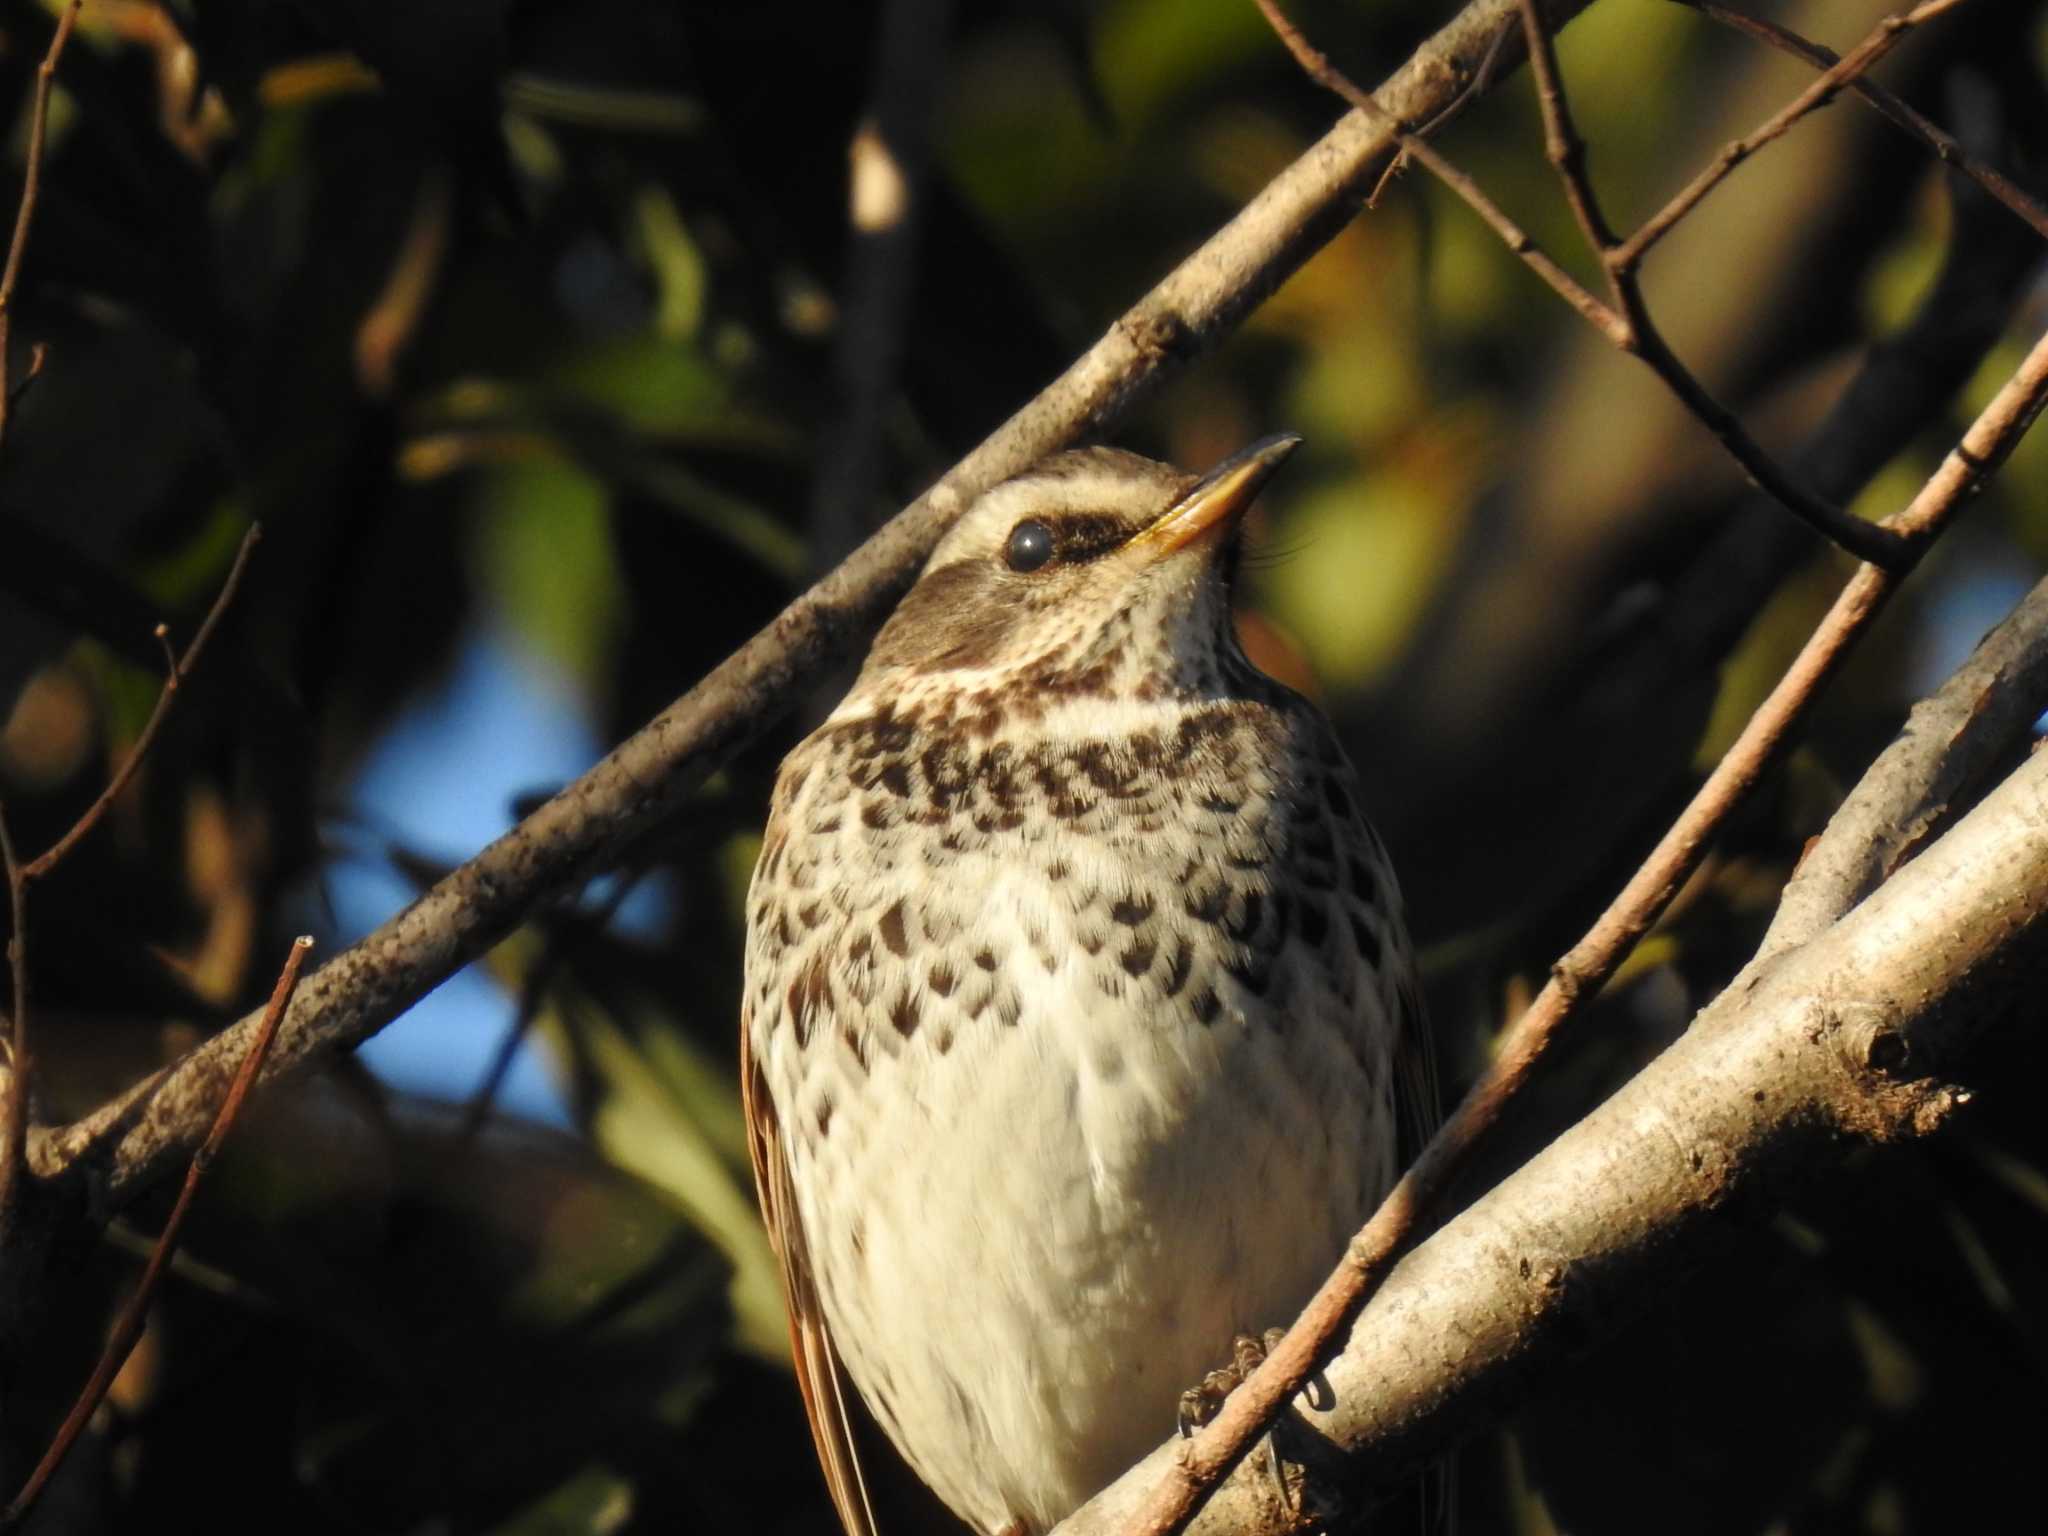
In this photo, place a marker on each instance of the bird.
(1080, 1023)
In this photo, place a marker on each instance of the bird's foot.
(1200, 1404)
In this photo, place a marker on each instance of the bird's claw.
(1200, 1404)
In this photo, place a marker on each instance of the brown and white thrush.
(1080, 1020)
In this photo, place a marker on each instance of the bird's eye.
(1029, 548)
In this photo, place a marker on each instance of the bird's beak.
(1218, 499)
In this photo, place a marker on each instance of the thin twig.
(1561, 140)
(128, 1327)
(1866, 541)
(1247, 1413)
(1624, 323)
(1942, 144)
(135, 1138)
(1621, 260)
(1882, 39)
(174, 677)
(31, 194)
(532, 993)
(1317, 66)
(14, 1150)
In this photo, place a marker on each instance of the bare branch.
(31, 194)
(1620, 260)
(128, 1326)
(1317, 66)
(1904, 385)
(1561, 142)
(1883, 38)
(179, 669)
(1579, 975)
(533, 992)
(1625, 322)
(1866, 541)
(1949, 741)
(14, 1148)
(1941, 143)
(645, 779)
(1774, 1082)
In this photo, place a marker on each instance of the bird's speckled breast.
(1050, 1020)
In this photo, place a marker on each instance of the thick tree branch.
(1950, 740)
(1983, 446)
(128, 1142)
(1841, 1043)
(1580, 974)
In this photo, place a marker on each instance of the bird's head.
(1096, 573)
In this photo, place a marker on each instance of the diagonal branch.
(128, 1326)
(21, 875)
(177, 670)
(1317, 66)
(1622, 259)
(1949, 742)
(1940, 143)
(123, 1145)
(1779, 1079)
(1625, 321)
(1205, 1460)
(1851, 66)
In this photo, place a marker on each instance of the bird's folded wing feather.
(817, 1367)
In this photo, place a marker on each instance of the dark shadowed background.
(514, 322)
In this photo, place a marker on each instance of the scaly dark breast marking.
(1244, 873)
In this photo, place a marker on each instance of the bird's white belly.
(1077, 1211)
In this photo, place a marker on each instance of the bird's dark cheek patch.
(1090, 536)
(960, 615)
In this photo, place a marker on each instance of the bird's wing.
(1418, 1103)
(817, 1366)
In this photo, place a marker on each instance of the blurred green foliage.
(520, 320)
